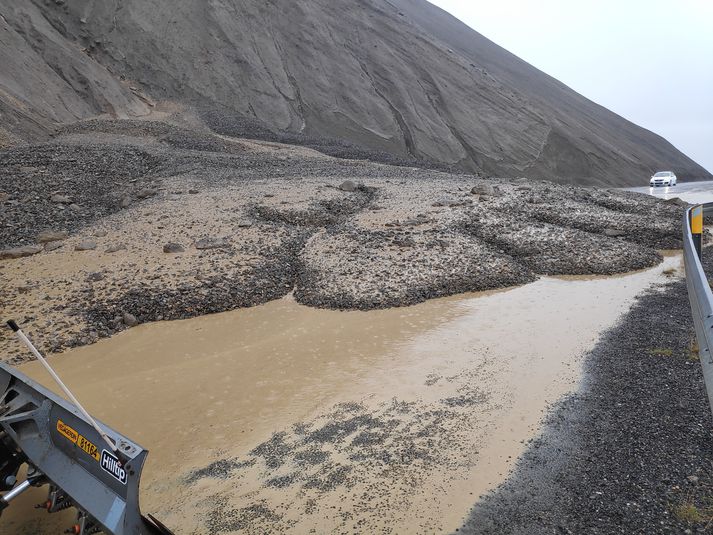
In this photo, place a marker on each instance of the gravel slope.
(631, 452)
(402, 78)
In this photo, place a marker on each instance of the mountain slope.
(399, 76)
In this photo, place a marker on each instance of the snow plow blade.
(62, 450)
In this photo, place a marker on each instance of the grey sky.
(649, 61)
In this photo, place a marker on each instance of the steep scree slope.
(399, 76)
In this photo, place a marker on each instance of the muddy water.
(463, 380)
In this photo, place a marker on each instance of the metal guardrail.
(701, 299)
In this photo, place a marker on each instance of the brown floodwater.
(214, 387)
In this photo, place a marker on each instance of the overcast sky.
(649, 61)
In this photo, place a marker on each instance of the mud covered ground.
(115, 223)
(631, 452)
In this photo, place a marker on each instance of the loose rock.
(86, 245)
(25, 288)
(483, 189)
(146, 193)
(19, 252)
(348, 185)
(115, 248)
(129, 320)
(173, 248)
(209, 243)
(52, 235)
(61, 199)
(53, 245)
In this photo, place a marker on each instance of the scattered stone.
(23, 289)
(52, 235)
(193, 191)
(125, 202)
(404, 242)
(173, 248)
(95, 276)
(415, 222)
(86, 245)
(75, 207)
(614, 233)
(348, 185)
(19, 252)
(115, 248)
(60, 199)
(676, 201)
(53, 245)
(692, 479)
(100, 233)
(244, 224)
(210, 243)
(129, 320)
(451, 203)
(146, 193)
(483, 189)
(4, 196)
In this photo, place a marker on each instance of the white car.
(663, 178)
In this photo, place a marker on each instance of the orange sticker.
(67, 431)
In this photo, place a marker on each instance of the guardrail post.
(697, 228)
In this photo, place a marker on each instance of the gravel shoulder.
(631, 452)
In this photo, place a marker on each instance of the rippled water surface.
(480, 369)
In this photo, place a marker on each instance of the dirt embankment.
(122, 222)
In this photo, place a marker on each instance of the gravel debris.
(266, 220)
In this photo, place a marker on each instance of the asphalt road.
(692, 192)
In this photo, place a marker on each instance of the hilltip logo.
(112, 465)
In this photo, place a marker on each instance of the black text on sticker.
(111, 464)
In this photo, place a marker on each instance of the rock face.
(397, 76)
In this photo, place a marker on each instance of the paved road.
(692, 192)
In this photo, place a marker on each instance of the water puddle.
(691, 192)
(392, 421)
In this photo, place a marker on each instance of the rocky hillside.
(399, 77)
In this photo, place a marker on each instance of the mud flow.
(287, 418)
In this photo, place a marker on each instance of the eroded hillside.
(401, 78)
